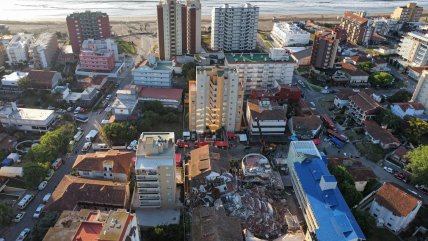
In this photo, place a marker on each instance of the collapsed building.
(251, 195)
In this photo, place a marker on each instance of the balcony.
(148, 190)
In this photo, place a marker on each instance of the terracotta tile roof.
(419, 69)
(162, 93)
(360, 59)
(41, 78)
(401, 151)
(379, 60)
(361, 174)
(396, 199)
(354, 17)
(413, 105)
(122, 161)
(311, 122)
(72, 191)
(345, 93)
(364, 102)
(378, 133)
(353, 70)
(274, 113)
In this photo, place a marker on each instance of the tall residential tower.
(87, 25)
(324, 49)
(179, 28)
(234, 28)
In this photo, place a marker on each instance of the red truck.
(328, 122)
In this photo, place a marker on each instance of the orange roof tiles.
(396, 199)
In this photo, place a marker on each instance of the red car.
(400, 176)
(182, 144)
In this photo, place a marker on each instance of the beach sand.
(122, 25)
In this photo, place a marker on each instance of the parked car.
(388, 169)
(42, 185)
(18, 217)
(47, 197)
(400, 176)
(423, 188)
(24, 233)
(108, 97)
(38, 211)
(49, 174)
(86, 146)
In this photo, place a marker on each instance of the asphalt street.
(12, 232)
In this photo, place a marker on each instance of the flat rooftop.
(154, 217)
(164, 65)
(26, 114)
(155, 149)
(235, 58)
(124, 103)
(15, 76)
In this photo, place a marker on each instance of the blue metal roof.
(335, 219)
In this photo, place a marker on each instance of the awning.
(243, 137)
(316, 141)
(230, 135)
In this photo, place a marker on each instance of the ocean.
(54, 9)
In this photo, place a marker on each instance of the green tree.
(189, 70)
(381, 79)
(170, 117)
(366, 221)
(400, 96)
(120, 133)
(155, 106)
(3, 154)
(24, 83)
(42, 226)
(386, 117)
(6, 215)
(416, 128)
(366, 66)
(34, 173)
(418, 164)
(346, 185)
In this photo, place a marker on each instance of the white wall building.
(125, 103)
(414, 49)
(155, 170)
(407, 109)
(24, 119)
(154, 73)
(420, 95)
(101, 45)
(285, 34)
(11, 80)
(43, 50)
(234, 28)
(394, 207)
(17, 49)
(262, 70)
(266, 117)
(384, 25)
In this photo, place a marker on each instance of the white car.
(18, 217)
(86, 146)
(42, 185)
(23, 234)
(388, 170)
(38, 211)
(47, 197)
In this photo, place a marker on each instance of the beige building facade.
(409, 13)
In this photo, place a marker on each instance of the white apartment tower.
(17, 50)
(179, 28)
(414, 49)
(234, 28)
(420, 95)
(285, 34)
(155, 170)
(215, 99)
(43, 50)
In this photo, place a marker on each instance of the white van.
(25, 201)
(77, 110)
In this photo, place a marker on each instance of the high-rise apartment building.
(215, 99)
(155, 170)
(414, 49)
(285, 34)
(43, 50)
(409, 13)
(420, 95)
(87, 25)
(324, 49)
(358, 28)
(179, 28)
(17, 49)
(262, 70)
(234, 28)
